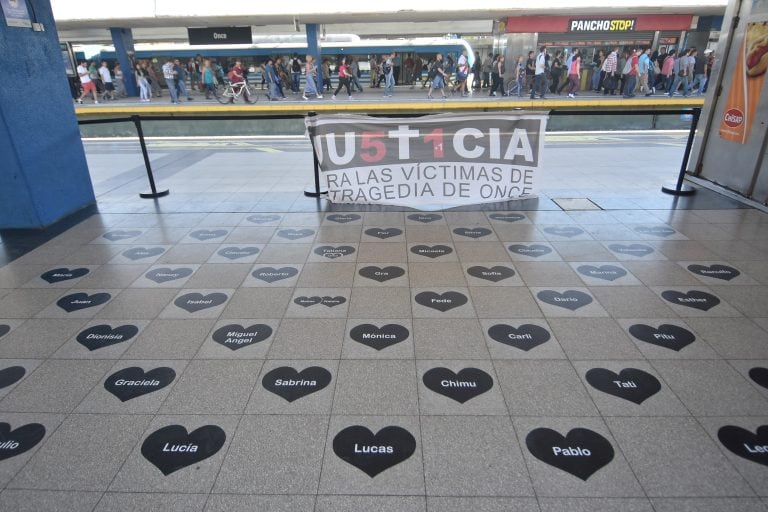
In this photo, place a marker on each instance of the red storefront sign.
(562, 24)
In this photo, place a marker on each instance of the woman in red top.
(344, 74)
(574, 73)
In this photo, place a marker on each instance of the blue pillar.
(122, 39)
(43, 171)
(313, 49)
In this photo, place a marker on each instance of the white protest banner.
(430, 162)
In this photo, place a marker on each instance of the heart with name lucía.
(343, 218)
(507, 217)
(208, 234)
(164, 274)
(462, 386)
(193, 302)
(759, 375)
(374, 453)
(604, 272)
(381, 274)
(100, 336)
(78, 301)
(235, 336)
(655, 230)
(291, 384)
(272, 274)
(295, 234)
(425, 217)
(569, 299)
(383, 233)
(262, 219)
(58, 275)
(568, 232)
(473, 232)
(434, 251)
(441, 301)
(11, 375)
(582, 452)
(525, 337)
(533, 250)
(330, 252)
(668, 336)
(638, 250)
(630, 383)
(4, 329)
(134, 382)
(493, 274)
(695, 299)
(723, 272)
(171, 448)
(16, 442)
(379, 338)
(745, 444)
(114, 236)
(139, 253)
(234, 253)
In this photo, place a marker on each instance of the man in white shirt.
(86, 82)
(106, 78)
(170, 79)
(540, 77)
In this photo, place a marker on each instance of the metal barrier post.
(679, 188)
(154, 194)
(317, 192)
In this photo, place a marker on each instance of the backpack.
(295, 66)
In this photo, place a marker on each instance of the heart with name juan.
(581, 452)
(379, 338)
(58, 275)
(373, 453)
(194, 302)
(235, 336)
(78, 301)
(668, 336)
(381, 274)
(171, 448)
(16, 442)
(441, 301)
(134, 382)
(462, 386)
(100, 336)
(525, 337)
(291, 384)
(630, 383)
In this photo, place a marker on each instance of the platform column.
(313, 49)
(122, 39)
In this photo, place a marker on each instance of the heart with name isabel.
(383, 233)
(165, 274)
(462, 386)
(58, 275)
(343, 218)
(115, 236)
(139, 253)
(171, 448)
(569, 299)
(759, 375)
(581, 452)
(194, 302)
(262, 219)
(742, 442)
(507, 217)
(441, 301)
(134, 382)
(431, 251)
(695, 299)
(525, 337)
(24, 438)
(295, 234)
(374, 453)
(425, 217)
(11, 375)
(100, 336)
(473, 232)
(494, 274)
(379, 338)
(331, 252)
(723, 272)
(604, 272)
(630, 383)
(208, 234)
(272, 274)
(235, 336)
(638, 250)
(235, 253)
(78, 301)
(291, 384)
(668, 336)
(381, 274)
(533, 250)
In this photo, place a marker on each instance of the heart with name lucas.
(171, 448)
(22, 439)
(290, 384)
(630, 383)
(581, 452)
(134, 382)
(462, 386)
(374, 453)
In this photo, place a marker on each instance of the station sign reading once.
(602, 25)
(220, 35)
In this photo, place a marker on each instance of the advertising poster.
(16, 14)
(431, 162)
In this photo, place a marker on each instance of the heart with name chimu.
(604, 272)
(381, 274)
(695, 299)
(524, 337)
(58, 275)
(569, 299)
(431, 251)
(165, 274)
(343, 218)
(100, 336)
(171, 448)
(742, 442)
(581, 452)
(262, 219)
(208, 234)
(569, 231)
(291, 384)
(441, 301)
(655, 230)
(668, 336)
(272, 274)
(373, 453)
(331, 252)
(114, 236)
(638, 250)
(473, 232)
(234, 253)
(139, 253)
(630, 383)
(295, 234)
(507, 217)
(4, 329)
(11, 375)
(235, 336)
(425, 217)
(134, 382)
(16, 442)
(759, 375)
(78, 301)
(494, 274)
(379, 338)
(723, 272)
(383, 233)
(533, 250)
(193, 302)
(462, 386)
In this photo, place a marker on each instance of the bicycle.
(232, 91)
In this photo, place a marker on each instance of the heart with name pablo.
(581, 452)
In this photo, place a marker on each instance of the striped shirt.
(611, 63)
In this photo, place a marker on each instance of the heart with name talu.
(78, 301)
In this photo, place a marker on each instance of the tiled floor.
(607, 350)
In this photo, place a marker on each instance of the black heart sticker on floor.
(11, 375)
(234, 253)
(58, 275)
(568, 232)
(306, 302)
(381, 274)
(77, 301)
(441, 301)
(291, 384)
(114, 236)
(100, 336)
(272, 274)
(630, 383)
(370, 453)
(4, 329)
(759, 375)
(604, 272)
(425, 217)
(723, 272)
(262, 219)
(171, 448)
(295, 234)
(193, 302)
(138, 253)
(16, 442)
(655, 230)
(235, 336)
(462, 386)
(667, 335)
(332, 301)
(534, 250)
(343, 218)
(581, 452)
(208, 234)
(693, 299)
(379, 338)
(507, 217)
(434, 251)
(525, 337)
(383, 233)
(473, 232)
(164, 274)
(494, 274)
(745, 444)
(638, 250)
(332, 253)
(134, 382)
(569, 299)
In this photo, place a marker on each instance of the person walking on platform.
(462, 73)
(418, 64)
(556, 71)
(699, 73)
(181, 80)
(681, 75)
(119, 81)
(574, 73)
(343, 71)
(566, 70)
(438, 76)
(710, 56)
(295, 74)
(141, 79)
(631, 68)
(209, 79)
(667, 70)
(497, 76)
(273, 81)
(86, 83)
(389, 76)
(477, 69)
(325, 73)
(310, 84)
(354, 76)
(611, 79)
(644, 65)
(106, 79)
(170, 80)
(530, 71)
(540, 76)
(487, 69)
(153, 79)
(597, 71)
(517, 88)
